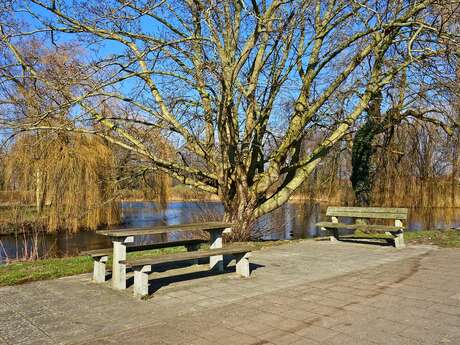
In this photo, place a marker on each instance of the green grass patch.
(441, 238)
(25, 271)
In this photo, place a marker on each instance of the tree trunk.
(362, 176)
(38, 191)
(239, 209)
(241, 231)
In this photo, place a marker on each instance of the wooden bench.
(100, 256)
(143, 266)
(361, 215)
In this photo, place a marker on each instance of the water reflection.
(293, 220)
(144, 214)
(434, 218)
(49, 245)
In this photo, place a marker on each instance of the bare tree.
(424, 92)
(237, 85)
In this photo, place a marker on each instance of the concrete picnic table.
(120, 237)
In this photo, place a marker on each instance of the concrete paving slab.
(299, 293)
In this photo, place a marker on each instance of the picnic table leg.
(216, 262)
(119, 270)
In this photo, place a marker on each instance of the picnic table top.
(208, 226)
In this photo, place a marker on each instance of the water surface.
(291, 221)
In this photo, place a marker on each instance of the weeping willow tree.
(75, 177)
(72, 176)
(138, 176)
(156, 186)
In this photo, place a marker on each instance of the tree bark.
(362, 176)
(240, 212)
(38, 191)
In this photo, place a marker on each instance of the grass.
(441, 238)
(21, 272)
(26, 271)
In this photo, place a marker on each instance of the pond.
(293, 220)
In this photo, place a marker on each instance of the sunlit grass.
(21, 272)
(441, 238)
(25, 271)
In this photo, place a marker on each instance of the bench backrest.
(368, 212)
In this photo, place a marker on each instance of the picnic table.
(121, 237)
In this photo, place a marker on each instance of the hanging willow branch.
(71, 175)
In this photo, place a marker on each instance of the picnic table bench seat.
(361, 217)
(143, 266)
(137, 248)
(100, 256)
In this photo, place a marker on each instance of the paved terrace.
(300, 293)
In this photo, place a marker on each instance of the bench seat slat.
(367, 227)
(108, 251)
(355, 237)
(162, 259)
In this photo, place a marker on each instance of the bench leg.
(216, 262)
(99, 269)
(335, 235)
(399, 240)
(193, 248)
(399, 236)
(141, 281)
(242, 264)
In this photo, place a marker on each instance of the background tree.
(77, 181)
(424, 93)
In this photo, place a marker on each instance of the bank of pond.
(18, 272)
(294, 220)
